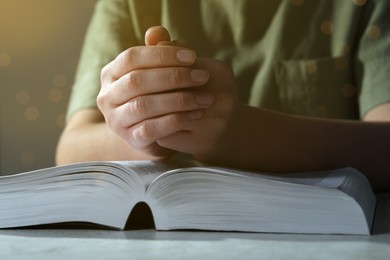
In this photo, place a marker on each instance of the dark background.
(40, 43)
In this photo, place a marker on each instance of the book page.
(148, 170)
(214, 198)
(330, 179)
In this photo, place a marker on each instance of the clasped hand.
(161, 98)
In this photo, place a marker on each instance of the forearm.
(89, 139)
(276, 142)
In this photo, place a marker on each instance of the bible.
(190, 196)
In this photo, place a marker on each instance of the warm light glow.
(40, 45)
(29, 27)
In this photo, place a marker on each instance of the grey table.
(149, 244)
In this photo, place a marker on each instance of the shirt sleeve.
(374, 55)
(110, 32)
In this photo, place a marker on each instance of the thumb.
(156, 34)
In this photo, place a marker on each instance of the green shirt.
(327, 58)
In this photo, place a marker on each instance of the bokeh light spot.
(23, 98)
(31, 114)
(310, 67)
(374, 32)
(344, 48)
(327, 27)
(297, 2)
(59, 81)
(55, 95)
(359, 2)
(348, 90)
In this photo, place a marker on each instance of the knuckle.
(105, 73)
(174, 121)
(102, 101)
(162, 55)
(175, 76)
(133, 80)
(183, 101)
(138, 106)
(145, 131)
(116, 124)
(113, 124)
(128, 56)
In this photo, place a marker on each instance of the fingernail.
(186, 56)
(193, 115)
(205, 99)
(199, 76)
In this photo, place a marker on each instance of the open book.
(190, 197)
